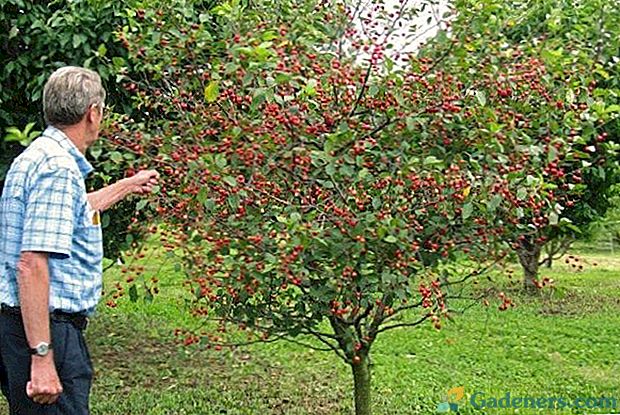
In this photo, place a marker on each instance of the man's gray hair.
(68, 94)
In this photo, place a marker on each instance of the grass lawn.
(562, 345)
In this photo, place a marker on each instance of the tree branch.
(309, 346)
(362, 90)
(326, 342)
(413, 324)
(404, 308)
(475, 272)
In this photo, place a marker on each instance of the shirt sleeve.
(48, 218)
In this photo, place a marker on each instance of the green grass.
(564, 343)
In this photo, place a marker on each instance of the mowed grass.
(562, 343)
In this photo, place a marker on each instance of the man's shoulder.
(44, 155)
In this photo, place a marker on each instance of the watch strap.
(35, 350)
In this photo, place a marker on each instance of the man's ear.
(92, 114)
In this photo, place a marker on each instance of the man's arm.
(141, 183)
(33, 275)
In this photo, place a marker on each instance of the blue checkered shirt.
(44, 208)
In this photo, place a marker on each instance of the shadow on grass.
(140, 369)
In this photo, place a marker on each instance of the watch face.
(42, 349)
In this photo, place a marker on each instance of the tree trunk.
(361, 379)
(529, 257)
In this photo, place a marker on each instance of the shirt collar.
(64, 142)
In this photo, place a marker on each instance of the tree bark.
(361, 379)
(529, 257)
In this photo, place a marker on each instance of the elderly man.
(51, 251)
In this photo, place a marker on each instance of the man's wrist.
(46, 360)
(128, 186)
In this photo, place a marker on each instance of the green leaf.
(201, 197)
(211, 91)
(269, 35)
(118, 62)
(88, 61)
(102, 50)
(390, 239)
(236, 131)
(310, 88)
(430, 160)
(141, 204)
(233, 201)
(346, 171)
(494, 203)
(13, 32)
(220, 161)
(468, 209)
(13, 131)
(410, 124)
(553, 152)
(376, 203)
(612, 108)
(116, 157)
(566, 224)
(530, 180)
(326, 184)
(230, 68)
(261, 52)
(481, 97)
(231, 181)
(554, 218)
(209, 204)
(495, 127)
(77, 40)
(28, 128)
(282, 78)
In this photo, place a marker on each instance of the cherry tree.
(316, 198)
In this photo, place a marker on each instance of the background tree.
(578, 43)
(606, 232)
(37, 37)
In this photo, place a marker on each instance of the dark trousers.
(73, 365)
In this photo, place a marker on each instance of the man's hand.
(144, 181)
(44, 386)
(33, 280)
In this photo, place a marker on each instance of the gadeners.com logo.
(482, 400)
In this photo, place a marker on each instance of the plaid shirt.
(44, 208)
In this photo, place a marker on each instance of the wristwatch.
(41, 349)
